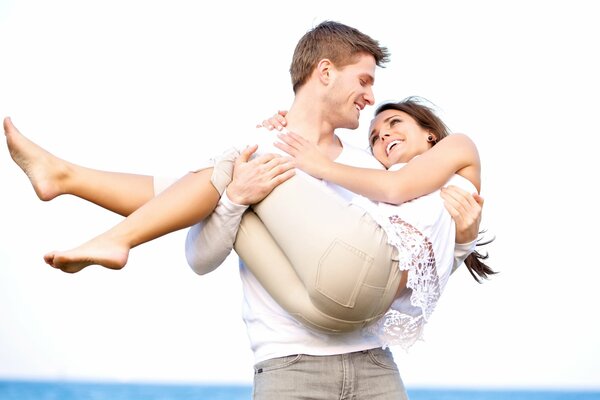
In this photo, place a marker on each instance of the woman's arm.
(422, 175)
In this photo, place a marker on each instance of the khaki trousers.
(325, 262)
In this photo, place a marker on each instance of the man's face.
(351, 91)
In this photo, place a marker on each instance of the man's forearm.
(461, 252)
(210, 242)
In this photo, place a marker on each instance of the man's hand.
(465, 209)
(254, 179)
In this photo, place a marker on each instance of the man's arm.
(465, 209)
(210, 242)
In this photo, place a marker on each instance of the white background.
(154, 87)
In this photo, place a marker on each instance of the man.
(333, 71)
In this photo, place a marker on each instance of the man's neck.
(307, 119)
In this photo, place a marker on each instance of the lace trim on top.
(400, 326)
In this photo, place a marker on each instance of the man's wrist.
(232, 202)
(232, 196)
(464, 249)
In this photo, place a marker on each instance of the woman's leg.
(182, 204)
(176, 205)
(325, 262)
(124, 193)
(51, 176)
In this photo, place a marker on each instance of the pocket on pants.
(382, 358)
(276, 363)
(342, 272)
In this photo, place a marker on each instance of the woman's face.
(395, 137)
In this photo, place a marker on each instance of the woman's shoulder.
(458, 139)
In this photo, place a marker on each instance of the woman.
(390, 281)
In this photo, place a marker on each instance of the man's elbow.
(200, 262)
(200, 265)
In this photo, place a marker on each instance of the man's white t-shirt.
(272, 332)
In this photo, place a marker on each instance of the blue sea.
(55, 390)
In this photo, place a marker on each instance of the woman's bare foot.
(98, 251)
(45, 171)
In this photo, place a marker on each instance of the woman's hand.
(307, 156)
(277, 121)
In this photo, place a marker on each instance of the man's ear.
(324, 69)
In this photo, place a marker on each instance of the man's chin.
(352, 125)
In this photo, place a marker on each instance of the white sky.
(152, 87)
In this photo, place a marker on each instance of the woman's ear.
(432, 138)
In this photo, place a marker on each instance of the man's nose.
(369, 97)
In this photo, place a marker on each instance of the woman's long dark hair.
(477, 268)
(428, 120)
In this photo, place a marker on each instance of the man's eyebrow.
(369, 78)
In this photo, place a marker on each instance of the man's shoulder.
(260, 136)
(357, 156)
